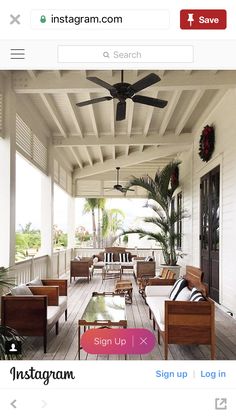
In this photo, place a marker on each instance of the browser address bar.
(97, 19)
(125, 54)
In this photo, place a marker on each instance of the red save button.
(203, 19)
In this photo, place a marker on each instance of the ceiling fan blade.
(147, 81)
(92, 101)
(102, 83)
(150, 101)
(120, 111)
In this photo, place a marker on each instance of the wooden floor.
(65, 345)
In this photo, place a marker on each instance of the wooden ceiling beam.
(108, 140)
(75, 154)
(189, 110)
(51, 108)
(75, 82)
(72, 108)
(169, 112)
(137, 157)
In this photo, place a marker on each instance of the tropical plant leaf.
(160, 191)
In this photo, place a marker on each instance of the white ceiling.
(89, 139)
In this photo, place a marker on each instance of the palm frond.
(145, 182)
(165, 177)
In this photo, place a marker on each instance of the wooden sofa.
(36, 314)
(182, 322)
(116, 252)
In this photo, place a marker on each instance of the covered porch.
(79, 149)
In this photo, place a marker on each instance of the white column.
(71, 222)
(8, 178)
(47, 210)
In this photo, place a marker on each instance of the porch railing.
(154, 252)
(35, 267)
(29, 269)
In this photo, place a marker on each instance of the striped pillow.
(124, 257)
(177, 288)
(108, 257)
(196, 295)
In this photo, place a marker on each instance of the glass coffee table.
(103, 310)
(112, 271)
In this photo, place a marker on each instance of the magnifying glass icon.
(106, 54)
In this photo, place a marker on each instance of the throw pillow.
(196, 295)
(124, 257)
(21, 290)
(108, 257)
(95, 259)
(77, 258)
(184, 294)
(148, 259)
(177, 288)
(36, 281)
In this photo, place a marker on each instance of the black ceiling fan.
(123, 91)
(117, 186)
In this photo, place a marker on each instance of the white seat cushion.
(158, 290)
(53, 314)
(157, 306)
(63, 303)
(99, 264)
(130, 264)
(21, 290)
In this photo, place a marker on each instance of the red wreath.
(207, 143)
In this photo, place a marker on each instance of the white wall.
(224, 120)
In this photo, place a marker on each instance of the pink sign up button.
(118, 341)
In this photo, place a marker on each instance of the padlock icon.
(43, 19)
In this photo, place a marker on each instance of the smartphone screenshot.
(117, 209)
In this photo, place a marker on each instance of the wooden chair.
(144, 268)
(36, 314)
(81, 269)
(170, 275)
(164, 273)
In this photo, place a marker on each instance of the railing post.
(32, 269)
(58, 264)
(8, 177)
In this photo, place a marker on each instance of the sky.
(28, 203)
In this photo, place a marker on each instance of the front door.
(209, 230)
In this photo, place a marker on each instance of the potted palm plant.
(7, 281)
(160, 193)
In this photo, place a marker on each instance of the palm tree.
(160, 192)
(112, 222)
(101, 202)
(90, 206)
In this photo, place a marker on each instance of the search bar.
(125, 54)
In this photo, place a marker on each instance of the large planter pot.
(175, 269)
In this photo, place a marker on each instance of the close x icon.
(200, 19)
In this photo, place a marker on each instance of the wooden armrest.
(61, 283)
(25, 313)
(51, 292)
(189, 307)
(160, 281)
